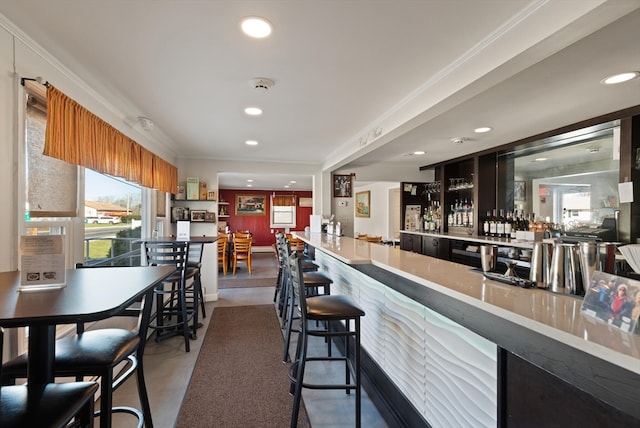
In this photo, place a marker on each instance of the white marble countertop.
(553, 315)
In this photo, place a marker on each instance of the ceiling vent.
(261, 84)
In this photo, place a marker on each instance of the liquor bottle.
(508, 226)
(500, 224)
(485, 224)
(493, 224)
(464, 221)
(470, 214)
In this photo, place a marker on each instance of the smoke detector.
(145, 123)
(459, 140)
(261, 84)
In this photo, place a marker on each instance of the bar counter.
(498, 342)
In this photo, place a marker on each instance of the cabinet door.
(410, 242)
(416, 245)
(435, 247)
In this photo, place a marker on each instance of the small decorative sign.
(42, 262)
(614, 300)
(183, 232)
(193, 189)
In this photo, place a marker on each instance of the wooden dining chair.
(241, 252)
(244, 234)
(223, 260)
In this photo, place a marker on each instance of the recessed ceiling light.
(251, 143)
(293, 182)
(249, 185)
(619, 78)
(253, 111)
(541, 159)
(419, 152)
(254, 26)
(286, 186)
(482, 129)
(249, 180)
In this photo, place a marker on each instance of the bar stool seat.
(55, 405)
(325, 308)
(329, 308)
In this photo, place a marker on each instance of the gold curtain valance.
(77, 136)
(283, 200)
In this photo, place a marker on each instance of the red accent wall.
(259, 224)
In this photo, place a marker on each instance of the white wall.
(8, 156)
(378, 224)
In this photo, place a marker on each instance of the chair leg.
(143, 395)
(106, 399)
(182, 302)
(298, 368)
(287, 340)
(201, 297)
(278, 289)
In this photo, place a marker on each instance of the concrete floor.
(168, 370)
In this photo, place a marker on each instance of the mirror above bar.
(569, 181)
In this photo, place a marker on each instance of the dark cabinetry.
(435, 247)
(468, 192)
(410, 242)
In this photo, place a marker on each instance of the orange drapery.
(283, 200)
(77, 136)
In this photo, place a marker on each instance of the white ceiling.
(357, 83)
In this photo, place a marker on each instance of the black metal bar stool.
(313, 283)
(53, 405)
(177, 296)
(328, 309)
(307, 266)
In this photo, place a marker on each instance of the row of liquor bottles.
(461, 213)
(499, 225)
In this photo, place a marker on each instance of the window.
(283, 211)
(112, 220)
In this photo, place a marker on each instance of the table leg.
(41, 354)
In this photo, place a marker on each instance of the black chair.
(313, 283)
(196, 249)
(177, 296)
(308, 266)
(328, 309)
(54, 405)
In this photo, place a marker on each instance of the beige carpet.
(239, 379)
(264, 271)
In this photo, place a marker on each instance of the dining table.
(87, 295)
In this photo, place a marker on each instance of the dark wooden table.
(90, 295)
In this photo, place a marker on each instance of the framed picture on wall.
(341, 186)
(363, 204)
(251, 204)
(198, 215)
